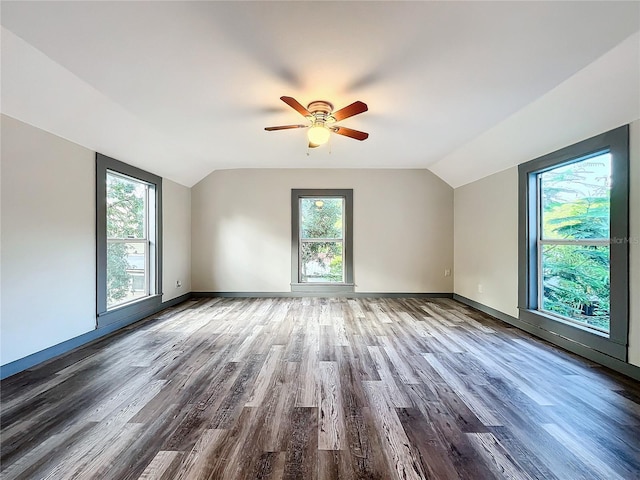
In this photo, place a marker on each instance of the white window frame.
(146, 239)
(302, 240)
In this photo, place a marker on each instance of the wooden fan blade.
(350, 110)
(284, 127)
(348, 132)
(313, 145)
(293, 103)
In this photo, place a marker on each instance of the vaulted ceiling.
(464, 89)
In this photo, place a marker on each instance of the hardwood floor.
(320, 388)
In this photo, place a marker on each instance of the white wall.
(486, 242)
(241, 235)
(48, 240)
(176, 239)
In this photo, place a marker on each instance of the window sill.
(139, 308)
(570, 323)
(128, 304)
(323, 287)
(586, 336)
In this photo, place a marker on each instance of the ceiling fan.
(322, 117)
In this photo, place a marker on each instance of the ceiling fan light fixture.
(322, 117)
(318, 134)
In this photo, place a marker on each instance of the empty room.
(320, 240)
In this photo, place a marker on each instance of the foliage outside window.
(322, 235)
(574, 243)
(127, 240)
(574, 251)
(321, 240)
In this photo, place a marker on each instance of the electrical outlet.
(479, 288)
(447, 272)
(178, 284)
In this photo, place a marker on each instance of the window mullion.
(584, 242)
(147, 250)
(127, 240)
(320, 240)
(539, 271)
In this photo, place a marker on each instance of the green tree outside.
(321, 218)
(125, 219)
(576, 206)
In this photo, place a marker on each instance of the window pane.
(575, 200)
(321, 262)
(575, 283)
(125, 207)
(321, 217)
(126, 272)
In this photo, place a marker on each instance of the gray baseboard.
(50, 353)
(566, 343)
(312, 294)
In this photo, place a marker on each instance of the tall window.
(128, 240)
(321, 240)
(574, 242)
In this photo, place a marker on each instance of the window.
(574, 242)
(322, 233)
(128, 241)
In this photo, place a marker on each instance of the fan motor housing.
(320, 106)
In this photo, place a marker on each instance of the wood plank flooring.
(320, 388)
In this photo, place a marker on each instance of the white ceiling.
(184, 88)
